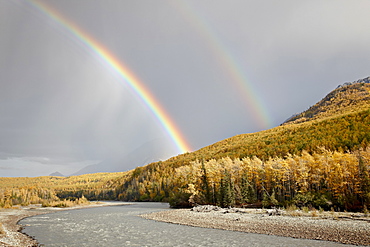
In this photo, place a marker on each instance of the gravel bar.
(343, 230)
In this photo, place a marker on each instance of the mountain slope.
(339, 122)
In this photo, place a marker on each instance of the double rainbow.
(121, 69)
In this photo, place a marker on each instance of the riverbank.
(10, 234)
(346, 228)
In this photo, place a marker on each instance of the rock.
(206, 208)
(274, 212)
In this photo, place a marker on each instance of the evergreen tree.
(364, 180)
(244, 190)
(265, 200)
(227, 190)
(205, 185)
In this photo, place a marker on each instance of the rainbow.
(121, 69)
(227, 62)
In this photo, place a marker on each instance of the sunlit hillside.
(340, 122)
(339, 125)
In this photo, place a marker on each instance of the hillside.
(339, 124)
(339, 121)
(330, 123)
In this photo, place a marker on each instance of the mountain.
(340, 123)
(330, 123)
(341, 120)
(323, 124)
(56, 174)
(149, 152)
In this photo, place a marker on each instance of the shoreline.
(343, 228)
(346, 228)
(10, 230)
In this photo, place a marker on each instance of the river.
(121, 226)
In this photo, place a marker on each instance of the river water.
(121, 226)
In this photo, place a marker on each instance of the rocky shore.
(10, 234)
(346, 228)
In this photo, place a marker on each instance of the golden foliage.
(57, 191)
(330, 178)
(321, 179)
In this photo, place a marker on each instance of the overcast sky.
(219, 68)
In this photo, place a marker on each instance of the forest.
(324, 179)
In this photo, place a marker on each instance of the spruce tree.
(244, 190)
(205, 185)
(227, 190)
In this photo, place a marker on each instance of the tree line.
(58, 191)
(324, 179)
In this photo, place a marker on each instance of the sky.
(88, 82)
